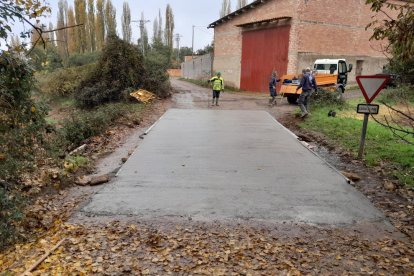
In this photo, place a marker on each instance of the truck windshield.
(326, 67)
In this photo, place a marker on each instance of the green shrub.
(402, 94)
(63, 82)
(45, 59)
(157, 61)
(22, 121)
(324, 98)
(83, 125)
(22, 127)
(73, 163)
(120, 66)
(83, 59)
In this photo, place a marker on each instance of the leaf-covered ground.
(117, 248)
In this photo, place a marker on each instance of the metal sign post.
(370, 87)
(363, 135)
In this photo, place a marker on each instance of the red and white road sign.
(371, 86)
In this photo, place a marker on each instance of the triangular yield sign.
(371, 86)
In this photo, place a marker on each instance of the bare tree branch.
(396, 110)
(63, 28)
(396, 131)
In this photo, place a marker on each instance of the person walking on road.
(218, 86)
(307, 83)
(272, 88)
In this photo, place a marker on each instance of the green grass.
(204, 83)
(381, 145)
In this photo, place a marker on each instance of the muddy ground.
(128, 246)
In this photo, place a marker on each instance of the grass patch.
(403, 94)
(204, 83)
(73, 163)
(84, 124)
(381, 145)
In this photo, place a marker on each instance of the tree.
(185, 51)
(81, 19)
(120, 67)
(398, 30)
(91, 24)
(155, 30)
(159, 25)
(15, 43)
(241, 4)
(23, 11)
(143, 40)
(169, 26)
(100, 24)
(51, 34)
(60, 34)
(225, 8)
(126, 23)
(110, 18)
(72, 32)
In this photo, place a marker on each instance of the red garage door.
(263, 51)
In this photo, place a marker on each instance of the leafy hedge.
(121, 66)
(64, 81)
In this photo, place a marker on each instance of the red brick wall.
(228, 37)
(322, 28)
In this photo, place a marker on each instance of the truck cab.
(334, 67)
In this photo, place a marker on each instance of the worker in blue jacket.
(307, 83)
(272, 88)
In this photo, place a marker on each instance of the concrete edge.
(308, 147)
(145, 133)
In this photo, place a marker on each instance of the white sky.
(186, 14)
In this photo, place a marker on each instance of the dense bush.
(45, 59)
(402, 94)
(327, 98)
(64, 81)
(21, 136)
(156, 78)
(120, 66)
(83, 125)
(21, 119)
(83, 59)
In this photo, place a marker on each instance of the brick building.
(288, 35)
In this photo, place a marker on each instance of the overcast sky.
(186, 14)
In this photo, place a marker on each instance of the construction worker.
(307, 83)
(218, 86)
(272, 88)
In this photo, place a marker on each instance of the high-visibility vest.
(218, 83)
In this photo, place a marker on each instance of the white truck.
(331, 75)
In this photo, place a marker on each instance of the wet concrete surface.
(220, 164)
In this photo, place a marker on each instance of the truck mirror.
(350, 67)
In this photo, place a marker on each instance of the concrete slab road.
(229, 164)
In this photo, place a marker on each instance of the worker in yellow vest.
(218, 86)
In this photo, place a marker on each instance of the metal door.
(263, 51)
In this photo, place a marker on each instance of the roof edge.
(236, 13)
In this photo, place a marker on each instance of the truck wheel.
(292, 99)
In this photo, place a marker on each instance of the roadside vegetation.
(383, 148)
(55, 97)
